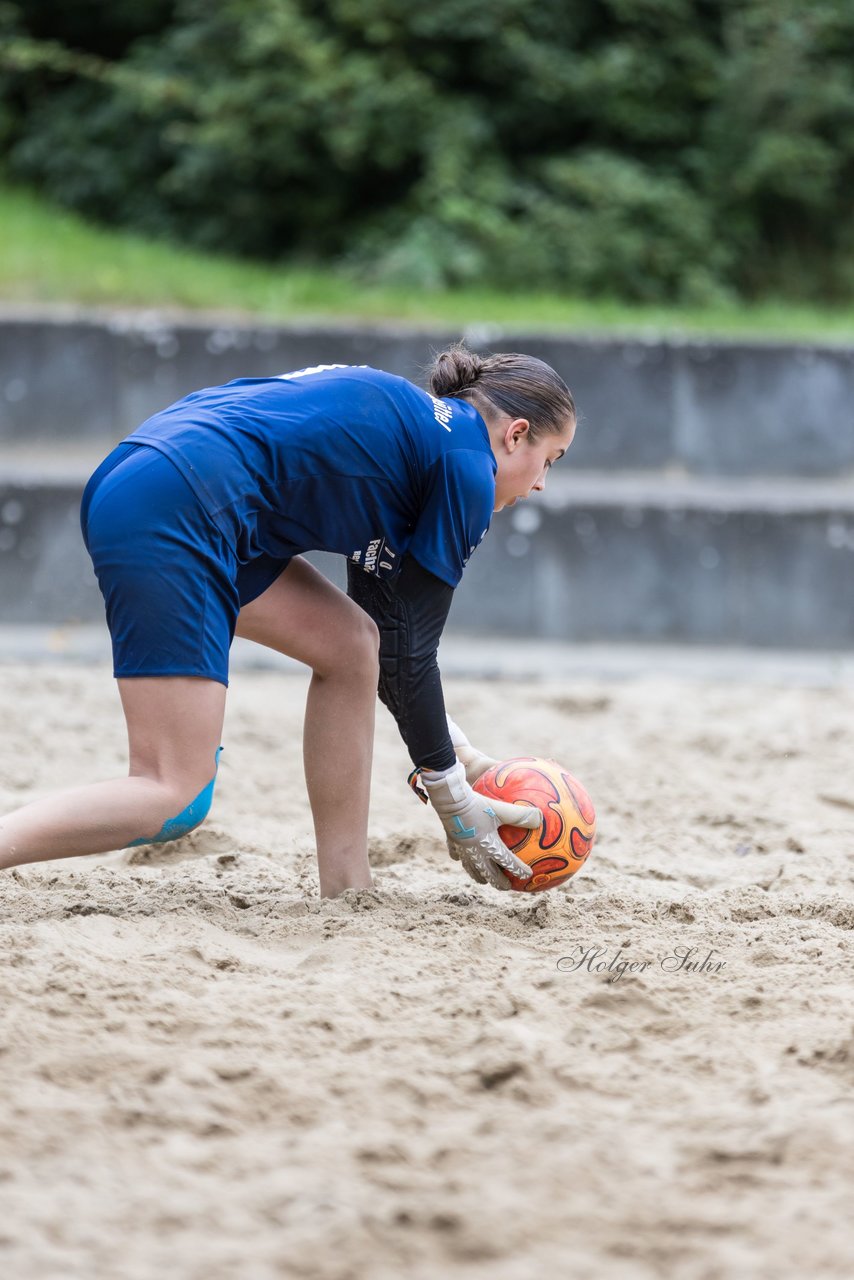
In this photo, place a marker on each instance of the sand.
(208, 1074)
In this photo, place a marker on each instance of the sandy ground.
(208, 1074)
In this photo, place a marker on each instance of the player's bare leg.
(174, 727)
(305, 616)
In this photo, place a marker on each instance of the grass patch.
(48, 255)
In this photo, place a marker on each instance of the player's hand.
(471, 823)
(474, 761)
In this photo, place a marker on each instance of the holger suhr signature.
(680, 960)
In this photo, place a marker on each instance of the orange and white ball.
(557, 849)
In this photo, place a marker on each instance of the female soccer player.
(195, 524)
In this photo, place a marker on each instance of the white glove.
(471, 823)
(476, 764)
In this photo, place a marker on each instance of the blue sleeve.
(456, 513)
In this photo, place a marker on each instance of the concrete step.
(627, 557)
(667, 559)
(708, 407)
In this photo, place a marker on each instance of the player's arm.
(411, 616)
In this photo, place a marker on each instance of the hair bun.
(507, 382)
(454, 371)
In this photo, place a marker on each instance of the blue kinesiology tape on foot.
(195, 812)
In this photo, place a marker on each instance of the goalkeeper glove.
(471, 823)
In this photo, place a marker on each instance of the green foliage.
(779, 143)
(644, 149)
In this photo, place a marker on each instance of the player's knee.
(185, 817)
(367, 648)
(370, 637)
(353, 652)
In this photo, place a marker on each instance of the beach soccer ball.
(560, 846)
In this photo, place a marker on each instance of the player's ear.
(516, 432)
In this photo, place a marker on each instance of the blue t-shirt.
(340, 458)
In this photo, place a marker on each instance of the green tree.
(649, 149)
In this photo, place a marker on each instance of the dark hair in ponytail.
(518, 385)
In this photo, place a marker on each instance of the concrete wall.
(708, 408)
(708, 497)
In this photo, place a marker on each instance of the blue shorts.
(171, 583)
